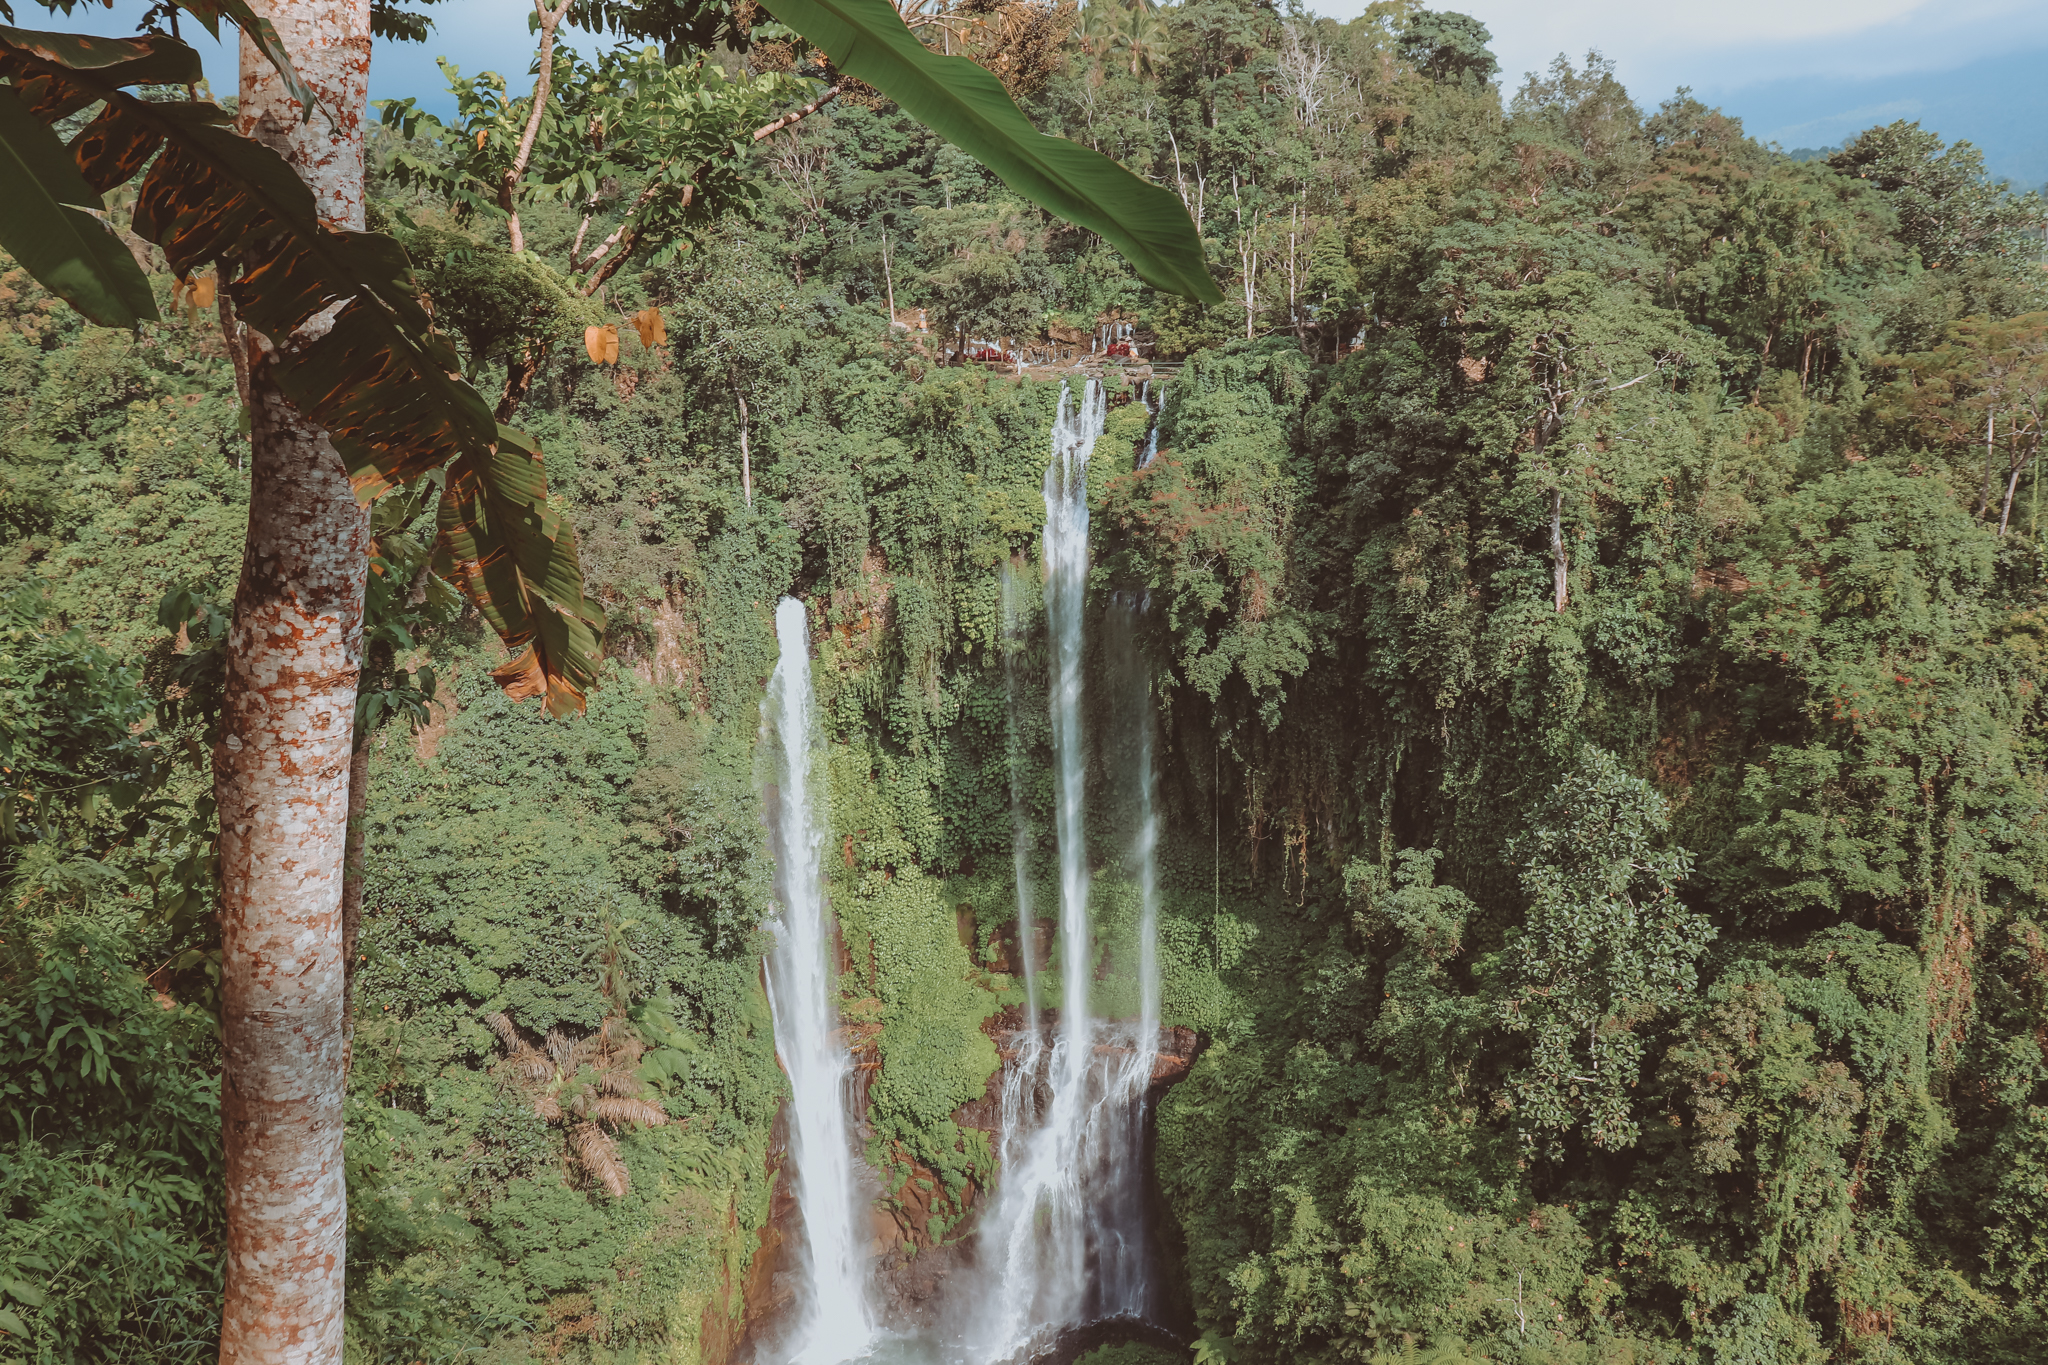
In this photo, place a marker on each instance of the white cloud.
(1723, 46)
(1641, 28)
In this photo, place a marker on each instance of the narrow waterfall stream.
(1063, 1242)
(835, 1322)
(1152, 425)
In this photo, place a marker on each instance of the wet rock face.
(914, 1272)
(1178, 1049)
(736, 1324)
(1010, 960)
(917, 1280)
(915, 1289)
(1079, 1341)
(911, 1207)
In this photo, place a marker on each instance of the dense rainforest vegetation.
(1591, 569)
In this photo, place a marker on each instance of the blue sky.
(1803, 73)
(478, 35)
(1807, 73)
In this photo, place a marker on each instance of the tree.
(1948, 209)
(281, 770)
(1140, 39)
(1606, 947)
(678, 129)
(1448, 47)
(1017, 40)
(1585, 119)
(735, 330)
(349, 400)
(1985, 386)
(987, 277)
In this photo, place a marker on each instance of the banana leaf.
(351, 343)
(46, 228)
(967, 106)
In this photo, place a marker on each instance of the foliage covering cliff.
(1599, 669)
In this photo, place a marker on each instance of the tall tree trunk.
(520, 372)
(544, 73)
(281, 774)
(2012, 485)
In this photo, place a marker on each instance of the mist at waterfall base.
(1062, 1239)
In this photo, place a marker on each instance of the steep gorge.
(1546, 680)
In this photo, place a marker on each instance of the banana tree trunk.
(281, 773)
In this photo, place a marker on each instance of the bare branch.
(768, 130)
(508, 185)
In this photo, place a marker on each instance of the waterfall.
(1152, 430)
(803, 995)
(1063, 1240)
(1074, 433)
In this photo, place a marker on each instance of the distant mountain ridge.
(1998, 103)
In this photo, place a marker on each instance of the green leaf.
(69, 251)
(147, 60)
(374, 375)
(969, 107)
(378, 378)
(72, 52)
(209, 14)
(12, 1324)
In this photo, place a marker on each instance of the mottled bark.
(281, 775)
(329, 43)
(544, 67)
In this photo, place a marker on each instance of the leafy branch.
(349, 339)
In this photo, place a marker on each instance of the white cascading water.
(1063, 1242)
(803, 994)
(1074, 433)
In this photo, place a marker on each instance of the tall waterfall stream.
(1061, 1240)
(803, 993)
